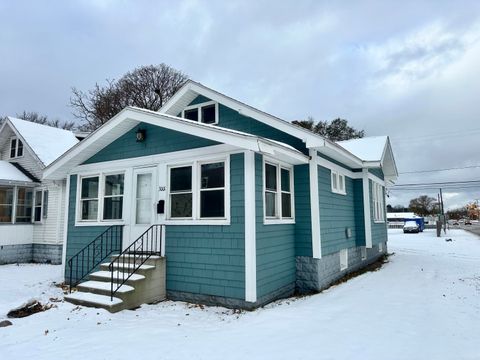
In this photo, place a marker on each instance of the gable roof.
(372, 150)
(9, 173)
(46, 142)
(130, 117)
(191, 89)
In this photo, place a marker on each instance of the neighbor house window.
(6, 204)
(198, 191)
(206, 113)
(23, 211)
(37, 208)
(378, 202)
(338, 183)
(16, 148)
(278, 191)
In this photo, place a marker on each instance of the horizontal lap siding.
(337, 213)
(303, 220)
(275, 245)
(158, 141)
(210, 260)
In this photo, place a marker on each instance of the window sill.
(189, 222)
(99, 223)
(278, 221)
(379, 221)
(339, 192)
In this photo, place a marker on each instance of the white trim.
(250, 228)
(315, 205)
(337, 189)
(366, 209)
(199, 107)
(65, 223)
(378, 202)
(17, 139)
(343, 259)
(278, 218)
(363, 251)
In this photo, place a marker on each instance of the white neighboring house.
(31, 210)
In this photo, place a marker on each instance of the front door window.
(143, 213)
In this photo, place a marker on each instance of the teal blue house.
(251, 208)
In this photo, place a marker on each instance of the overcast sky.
(410, 70)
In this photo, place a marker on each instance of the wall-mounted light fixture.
(141, 135)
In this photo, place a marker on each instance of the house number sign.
(161, 188)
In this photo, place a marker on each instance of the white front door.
(143, 210)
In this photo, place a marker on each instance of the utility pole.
(443, 212)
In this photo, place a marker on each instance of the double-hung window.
(278, 197)
(378, 202)
(16, 148)
(37, 206)
(23, 213)
(206, 113)
(6, 204)
(198, 191)
(338, 183)
(101, 197)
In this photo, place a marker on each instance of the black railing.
(92, 255)
(129, 260)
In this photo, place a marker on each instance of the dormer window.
(16, 148)
(206, 113)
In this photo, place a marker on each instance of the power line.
(439, 183)
(432, 136)
(434, 170)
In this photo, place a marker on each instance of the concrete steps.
(146, 285)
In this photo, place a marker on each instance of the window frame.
(17, 141)
(101, 197)
(34, 205)
(195, 219)
(378, 202)
(12, 205)
(337, 189)
(199, 107)
(278, 218)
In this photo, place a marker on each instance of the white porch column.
(366, 209)
(314, 205)
(250, 231)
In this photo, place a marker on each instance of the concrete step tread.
(107, 275)
(102, 285)
(94, 299)
(129, 266)
(153, 257)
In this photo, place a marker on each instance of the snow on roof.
(47, 142)
(9, 172)
(367, 148)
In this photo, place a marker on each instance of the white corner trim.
(250, 231)
(366, 209)
(65, 225)
(314, 205)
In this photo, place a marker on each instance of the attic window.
(16, 148)
(206, 113)
(338, 183)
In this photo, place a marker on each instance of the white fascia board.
(250, 229)
(367, 208)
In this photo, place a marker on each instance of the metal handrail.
(146, 245)
(94, 253)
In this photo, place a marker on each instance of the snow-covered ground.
(424, 304)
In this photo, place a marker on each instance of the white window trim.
(101, 190)
(337, 189)
(196, 174)
(199, 106)
(378, 203)
(364, 253)
(278, 219)
(16, 148)
(42, 191)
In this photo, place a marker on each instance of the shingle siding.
(275, 245)
(158, 141)
(210, 260)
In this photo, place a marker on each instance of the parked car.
(468, 222)
(411, 227)
(455, 223)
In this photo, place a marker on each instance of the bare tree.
(423, 205)
(147, 87)
(335, 130)
(37, 118)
